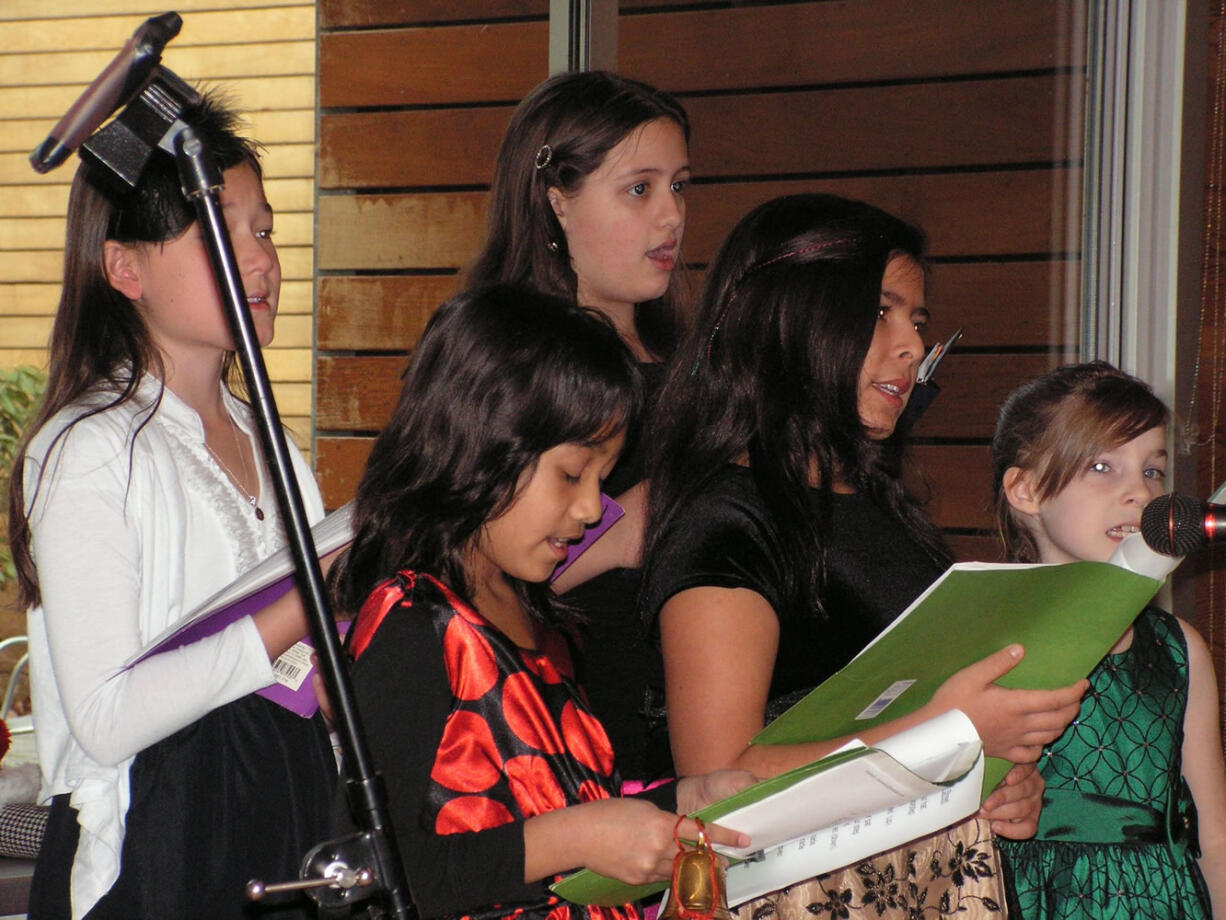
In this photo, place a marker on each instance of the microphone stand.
(341, 872)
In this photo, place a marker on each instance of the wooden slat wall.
(262, 50)
(414, 98)
(969, 125)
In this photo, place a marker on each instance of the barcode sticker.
(292, 668)
(889, 695)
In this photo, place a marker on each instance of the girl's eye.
(680, 186)
(883, 310)
(1154, 473)
(572, 480)
(921, 325)
(639, 189)
(265, 234)
(1100, 466)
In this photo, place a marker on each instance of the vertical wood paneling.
(1211, 358)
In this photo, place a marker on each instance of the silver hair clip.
(544, 156)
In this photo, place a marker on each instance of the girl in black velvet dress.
(780, 542)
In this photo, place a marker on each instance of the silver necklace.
(242, 455)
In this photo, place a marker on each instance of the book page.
(254, 590)
(906, 766)
(275, 576)
(854, 839)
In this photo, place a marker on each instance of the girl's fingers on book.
(1013, 807)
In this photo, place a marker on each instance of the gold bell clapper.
(697, 891)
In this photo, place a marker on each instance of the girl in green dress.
(1077, 455)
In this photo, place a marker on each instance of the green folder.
(1067, 617)
(588, 887)
(861, 775)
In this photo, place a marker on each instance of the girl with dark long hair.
(588, 203)
(137, 496)
(780, 541)
(514, 408)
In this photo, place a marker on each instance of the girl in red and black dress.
(513, 410)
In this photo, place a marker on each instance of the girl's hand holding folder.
(1013, 724)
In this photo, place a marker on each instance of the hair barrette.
(749, 272)
(790, 254)
(544, 156)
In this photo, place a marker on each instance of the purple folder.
(212, 619)
(611, 514)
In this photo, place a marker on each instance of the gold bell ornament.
(697, 891)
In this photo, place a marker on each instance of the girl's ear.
(557, 201)
(119, 262)
(1018, 485)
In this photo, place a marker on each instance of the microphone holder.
(369, 862)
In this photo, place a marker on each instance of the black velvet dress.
(724, 538)
(619, 667)
(241, 793)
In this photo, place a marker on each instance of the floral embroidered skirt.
(954, 871)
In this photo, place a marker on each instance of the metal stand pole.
(201, 184)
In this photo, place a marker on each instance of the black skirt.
(242, 793)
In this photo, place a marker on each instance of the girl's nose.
(255, 255)
(587, 506)
(910, 344)
(1138, 489)
(672, 211)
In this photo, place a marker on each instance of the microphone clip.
(122, 149)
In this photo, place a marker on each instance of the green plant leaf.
(21, 389)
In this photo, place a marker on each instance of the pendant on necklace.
(259, 512)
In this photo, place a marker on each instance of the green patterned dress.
(1117, 836)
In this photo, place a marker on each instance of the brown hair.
(1053, 426)
(559, 135)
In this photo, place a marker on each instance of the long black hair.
(501, 375)
(98, 339)
(769, 374)
(580, 117)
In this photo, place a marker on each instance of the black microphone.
(1176, 524)
(119, 83)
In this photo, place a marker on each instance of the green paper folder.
(839, 809)
(1067, 617)
(588, 887)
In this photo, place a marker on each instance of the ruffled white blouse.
(133, 525)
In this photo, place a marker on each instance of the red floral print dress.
(516, 740)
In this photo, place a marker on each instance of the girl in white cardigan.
(140, 494)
